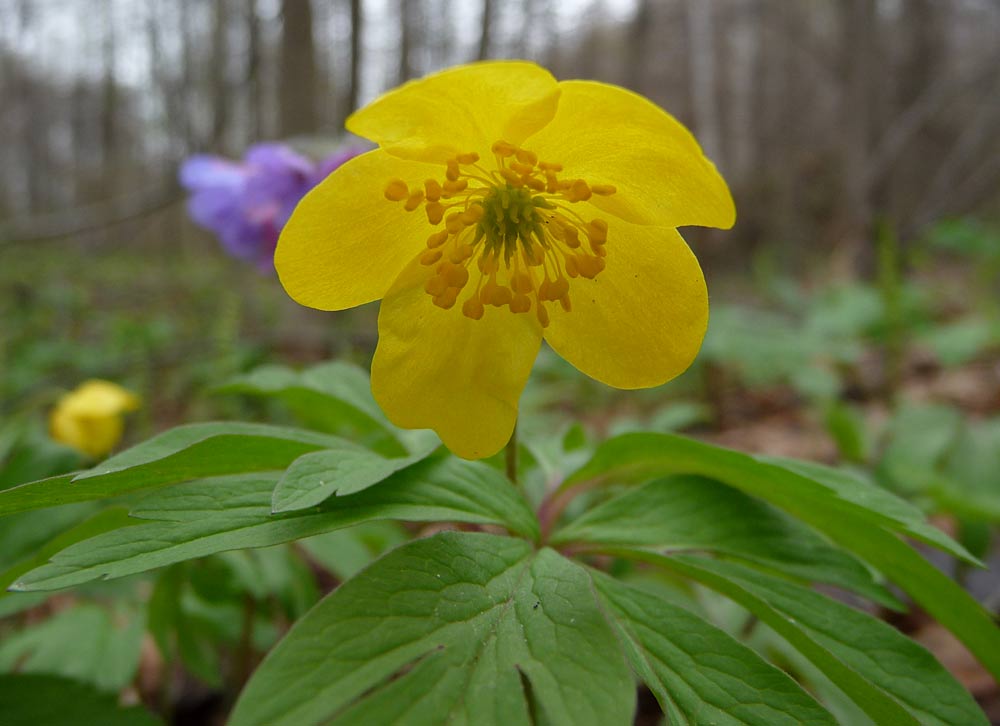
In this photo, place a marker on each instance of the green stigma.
(511, 215)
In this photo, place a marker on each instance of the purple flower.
(247, 203)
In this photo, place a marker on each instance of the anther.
(435, 286)
(604, 190)
(454, 187)
(473, 308)
(437, 239)
(521, 168)
(447, 298)
(597, 230)
(472, 215)
(579, 191)
(526, 157)
(432, 190)
(549, 166)
(502, 149)
(520, 303)
(534, 182)
(512, 178)
(543, 315)
(470, 158)
(396, 190)
(435, 212)
(429, 257)
(454, 223)
(414, 200)
(452, 171)
(589, 266)
(460, 253)
(522, 283)
(500, 296)
(456, 276)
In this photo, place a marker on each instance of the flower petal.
(345, 242)
(438, 369)
(460, 110)
(641, 321)
(608, 135)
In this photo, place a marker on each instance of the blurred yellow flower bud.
(89, 418)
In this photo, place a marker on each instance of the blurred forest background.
(834, 121)
(822, 114)
(855, 306)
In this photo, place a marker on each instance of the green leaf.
(457, 628)
(214, 515)
(22, 534)
(818, 495)
(921, 437)
(180, 454)
(699, 673)
(862, 518)
(345, 552)
(314, 477)
(874, 664)
(325, 396)
(36, 700)
(105, 521)
(694, 513)
(81, 643)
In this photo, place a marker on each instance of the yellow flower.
(89, 418)
(501, 208)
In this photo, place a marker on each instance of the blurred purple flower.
(247, 203)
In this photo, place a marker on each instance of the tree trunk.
(407, 26)
(486, 32)
(298, 69)
(859, 19)
(354, 84)
(701, 45)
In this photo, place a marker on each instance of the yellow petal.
(345, 243)
(438, 369)
(89, 418)
(641, 321)
(459, 110)
(100, 398)
(608, 135)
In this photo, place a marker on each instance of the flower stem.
(510, 456)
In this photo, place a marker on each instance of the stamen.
(396, 190)
(519, 225)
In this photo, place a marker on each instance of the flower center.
(516, 223)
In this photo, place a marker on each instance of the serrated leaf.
(816, 494)
(204, 517)
(457, 628)
(313, 478)
(37, 700)
(698, 672)
(22, 534)
(694, 513)
(82, 643)
(874, 664)
(860, 517)
(104, 521)
(180, 454)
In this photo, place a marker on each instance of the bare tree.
(407, 28)
(702, 51)
(298, 69)
(486, 30)
(354, 82)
